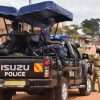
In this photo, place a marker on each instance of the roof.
(8, 12)
(42, 11)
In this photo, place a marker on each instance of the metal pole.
(5, 25)
(56, 28)
(30, 2)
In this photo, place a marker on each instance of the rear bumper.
(32, 84)
(41, 83)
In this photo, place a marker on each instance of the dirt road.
(74, 95)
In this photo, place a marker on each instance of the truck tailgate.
(21, 67)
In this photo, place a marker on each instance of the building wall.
(2, 25)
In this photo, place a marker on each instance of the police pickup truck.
(43, 74)
(32, 74)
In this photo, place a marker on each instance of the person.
(45, 32)
(16, 27)
(12, 36)
(45, 40)
(3, 39)
(96, 70)
(17, 41)
(7, 41)
(3, 45)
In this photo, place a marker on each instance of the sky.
(81, 9)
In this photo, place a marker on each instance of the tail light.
(46, 61)
(47, 65)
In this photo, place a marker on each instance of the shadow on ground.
(72, 95)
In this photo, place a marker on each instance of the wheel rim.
(64, 91)
(88, 85)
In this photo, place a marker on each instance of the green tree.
(91, 26)
(72, 31)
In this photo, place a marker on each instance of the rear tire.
(61, 91)
(5, 95)
(88, 87)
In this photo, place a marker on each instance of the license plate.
(71, 73)
(19, 83)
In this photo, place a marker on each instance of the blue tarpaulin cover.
(37, 13)
(40, 12)
(8, 12)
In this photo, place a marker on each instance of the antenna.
(30, 2)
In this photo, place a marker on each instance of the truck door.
(76, 69)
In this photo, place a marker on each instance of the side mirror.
(85, 56)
